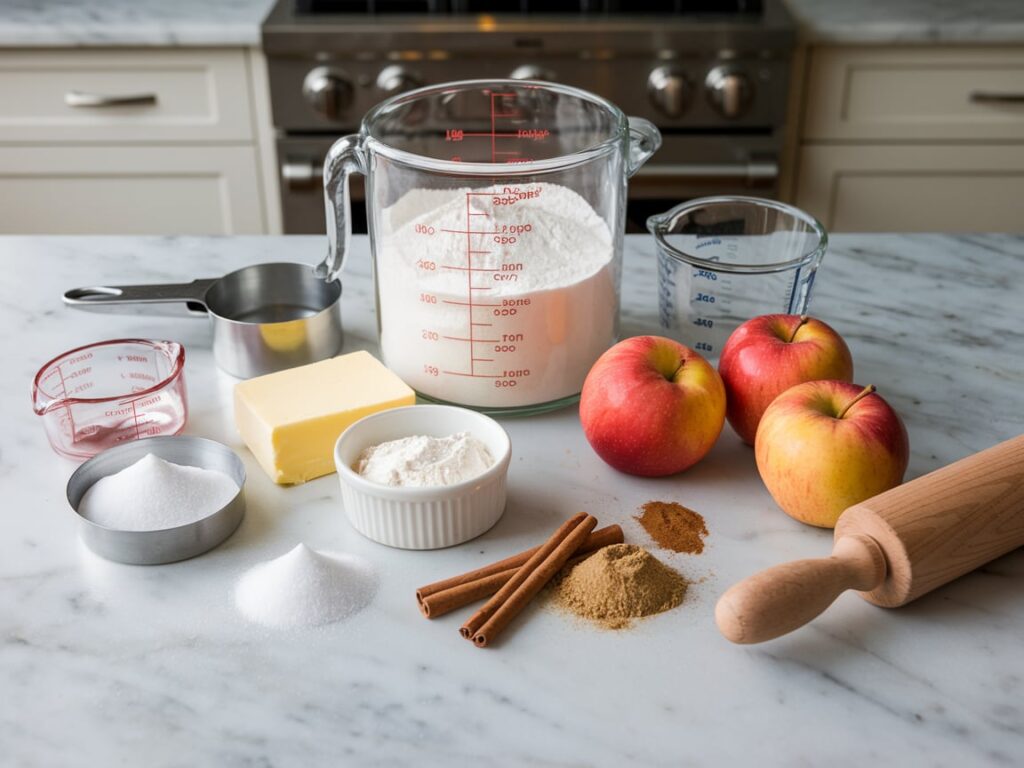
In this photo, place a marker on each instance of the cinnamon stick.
(449, 595)
(456, 597)
(478, 619)
(504, 611)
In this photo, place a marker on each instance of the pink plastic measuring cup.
(100, 395)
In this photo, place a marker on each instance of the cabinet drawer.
(196, 95)
(913, 189)
(915, 94)
(122, 190)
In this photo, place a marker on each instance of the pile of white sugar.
(496, 297)
(153, 494)
(424, 461)
(305, 588)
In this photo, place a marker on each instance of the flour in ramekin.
(424, 461)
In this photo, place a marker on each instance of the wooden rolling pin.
(894, 547)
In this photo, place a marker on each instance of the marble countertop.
(86, 23)
(896, 22)
(106, 664)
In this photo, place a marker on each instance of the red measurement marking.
(481, 287)
(64, 393)
(469, 268)
(461, 338)
(135, 418)
(484, 359)
(487, 324)
(471, 375)
(479, 232)
(469, 304)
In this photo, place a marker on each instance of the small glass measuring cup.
(724, 260)
(100, 395)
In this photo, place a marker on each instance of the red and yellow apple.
(651, 406)
(769, 354)
(823, 446)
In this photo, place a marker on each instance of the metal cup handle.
(175, 299)
(644, 141)
(343, 159)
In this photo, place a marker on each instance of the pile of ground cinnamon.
(673, 526)
(618, 584)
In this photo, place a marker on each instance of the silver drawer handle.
(80, 99)
(754, 170)
(302, 174)
(995, 97)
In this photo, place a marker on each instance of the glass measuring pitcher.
(724, 260)
(496, 214)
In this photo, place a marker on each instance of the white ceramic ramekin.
(423, 518)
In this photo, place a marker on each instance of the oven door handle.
(301, 175)
(765, 169)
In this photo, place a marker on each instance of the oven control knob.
(328, 91)
(397, 79)
(531, 72)
(670, 90)
(729, 91)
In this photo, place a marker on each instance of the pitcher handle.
(344, 158)
(644, 140)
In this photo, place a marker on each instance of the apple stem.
(869, 389)
(801, 324)
(677, 370)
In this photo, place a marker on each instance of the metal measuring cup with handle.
(265, 317)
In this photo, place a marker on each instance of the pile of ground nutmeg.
(673, 526)
(618, 584)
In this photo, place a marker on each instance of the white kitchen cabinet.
(72, 96)
(907, 94)
(191, 154)
(942, 188)
(192, 190)
(912, 139)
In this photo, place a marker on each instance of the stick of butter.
(291, 419)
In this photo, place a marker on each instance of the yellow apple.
(823, 446)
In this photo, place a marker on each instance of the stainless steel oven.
(713, 76)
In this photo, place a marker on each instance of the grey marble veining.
(80, 23)
(103, 664)
(909, 21)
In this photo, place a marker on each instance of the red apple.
(823, 446)
(651, 406)
(769, 354)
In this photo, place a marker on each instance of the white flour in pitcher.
(496, 297)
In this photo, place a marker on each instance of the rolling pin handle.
(783, 598)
